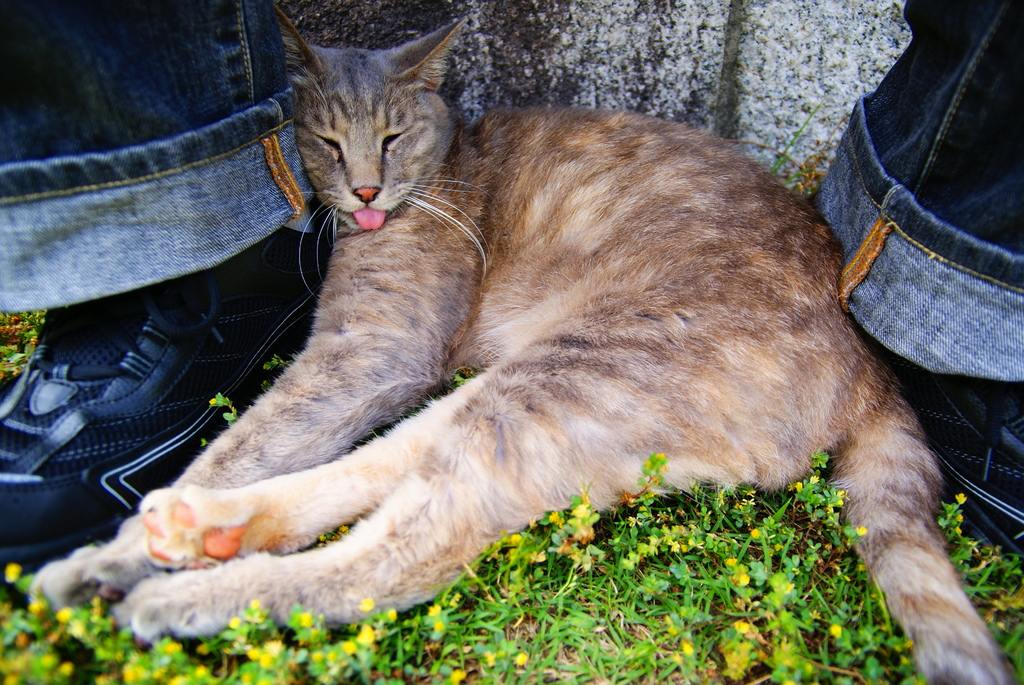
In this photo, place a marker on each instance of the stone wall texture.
(762, 71)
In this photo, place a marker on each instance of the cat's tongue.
(369, 219)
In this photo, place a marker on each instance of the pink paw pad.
(223, 543)
(218, 543)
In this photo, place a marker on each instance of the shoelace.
(188, 295)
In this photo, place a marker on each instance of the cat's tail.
(893, 484)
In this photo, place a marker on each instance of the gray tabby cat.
(627, 285)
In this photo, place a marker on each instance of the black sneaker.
(116, 399)
(976, 427)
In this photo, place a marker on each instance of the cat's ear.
(422, 61)
(299, 57)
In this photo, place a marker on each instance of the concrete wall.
(756, 70)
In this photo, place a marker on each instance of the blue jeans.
(141, 141)
(926, 194)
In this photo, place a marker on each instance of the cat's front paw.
(192, 528)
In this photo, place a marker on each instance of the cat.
(626, 286)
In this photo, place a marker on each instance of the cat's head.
(369, 124)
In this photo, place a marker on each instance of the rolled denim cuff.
(928, 291)
(87, 226)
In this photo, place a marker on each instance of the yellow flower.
(862, 531)
(556, 518)
(201, 671)
(365, 636)
(306, 620)
(457, 676)
(741, 579)
(582, 511)
(254, 605)
(348, 647)
(835, 630)
(172, 648)
(66, 669)
(64, 615)
(366, 606)
(755, 533)
(266, 660)
(77, 629)
(798, 486)
(439, 626)
(12, 572)
(730, 562)
(686, 647)
(742, 626)
(234, 623)
(961, 498)
(515, 539)
(392, 615)
(254, 654)
(521, 659)
(489, 658)
(203, 648)
(434, 610)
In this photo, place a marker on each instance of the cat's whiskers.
(432, 188)
(439, 182)
(418, 196)
(330, 223)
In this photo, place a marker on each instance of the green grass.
(19, 335)
(714, 586)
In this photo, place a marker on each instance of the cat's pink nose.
(368, 195)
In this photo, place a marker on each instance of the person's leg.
(927, 196)
(147, 165)
(142, 141)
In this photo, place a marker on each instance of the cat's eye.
(389, 142)
(333, 145)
